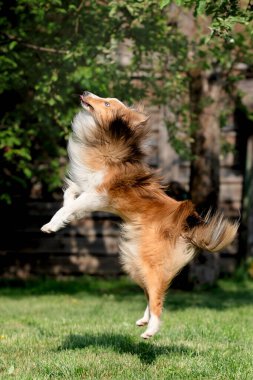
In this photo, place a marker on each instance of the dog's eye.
(107, 104)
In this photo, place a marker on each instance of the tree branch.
(45, 49)
(36, 47)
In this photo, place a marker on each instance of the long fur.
(160, 235)
(214, 233)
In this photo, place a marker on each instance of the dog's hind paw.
(153, 327)
(141, 322)
(147, 334)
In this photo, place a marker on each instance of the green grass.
(85, 329)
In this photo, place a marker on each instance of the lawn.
(85, 329)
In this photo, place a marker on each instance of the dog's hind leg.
(159, 271)
(156, 288)
(145, 319)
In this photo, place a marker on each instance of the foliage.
(244, 272)
(51, 51)
(225, 14)
(85, 329)
(213, 49)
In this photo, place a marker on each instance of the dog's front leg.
(71, 192)
(86, 202)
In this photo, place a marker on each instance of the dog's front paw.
(48, 228)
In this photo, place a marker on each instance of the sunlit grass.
(85, 329)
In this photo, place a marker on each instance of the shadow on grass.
(87, 284)
(147, 352)
(218, 298)
(227, 295)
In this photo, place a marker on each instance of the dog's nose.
(86, 93)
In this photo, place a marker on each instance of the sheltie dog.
(107, 173)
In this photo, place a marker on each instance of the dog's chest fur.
(86, 178)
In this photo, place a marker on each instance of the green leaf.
(200, 7)
(27, 172)
(163, 3)
(12, 45)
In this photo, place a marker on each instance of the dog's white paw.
(141, 322)
(147, 334)
(48, 228)
(153, 327)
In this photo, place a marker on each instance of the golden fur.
(160, 235)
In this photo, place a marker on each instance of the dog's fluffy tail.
(213, 233)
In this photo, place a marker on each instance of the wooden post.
(205, 97)
(247, 203)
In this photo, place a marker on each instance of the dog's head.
(105, 110)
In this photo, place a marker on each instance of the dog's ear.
(138, 118)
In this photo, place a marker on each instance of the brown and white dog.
(160, 235)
